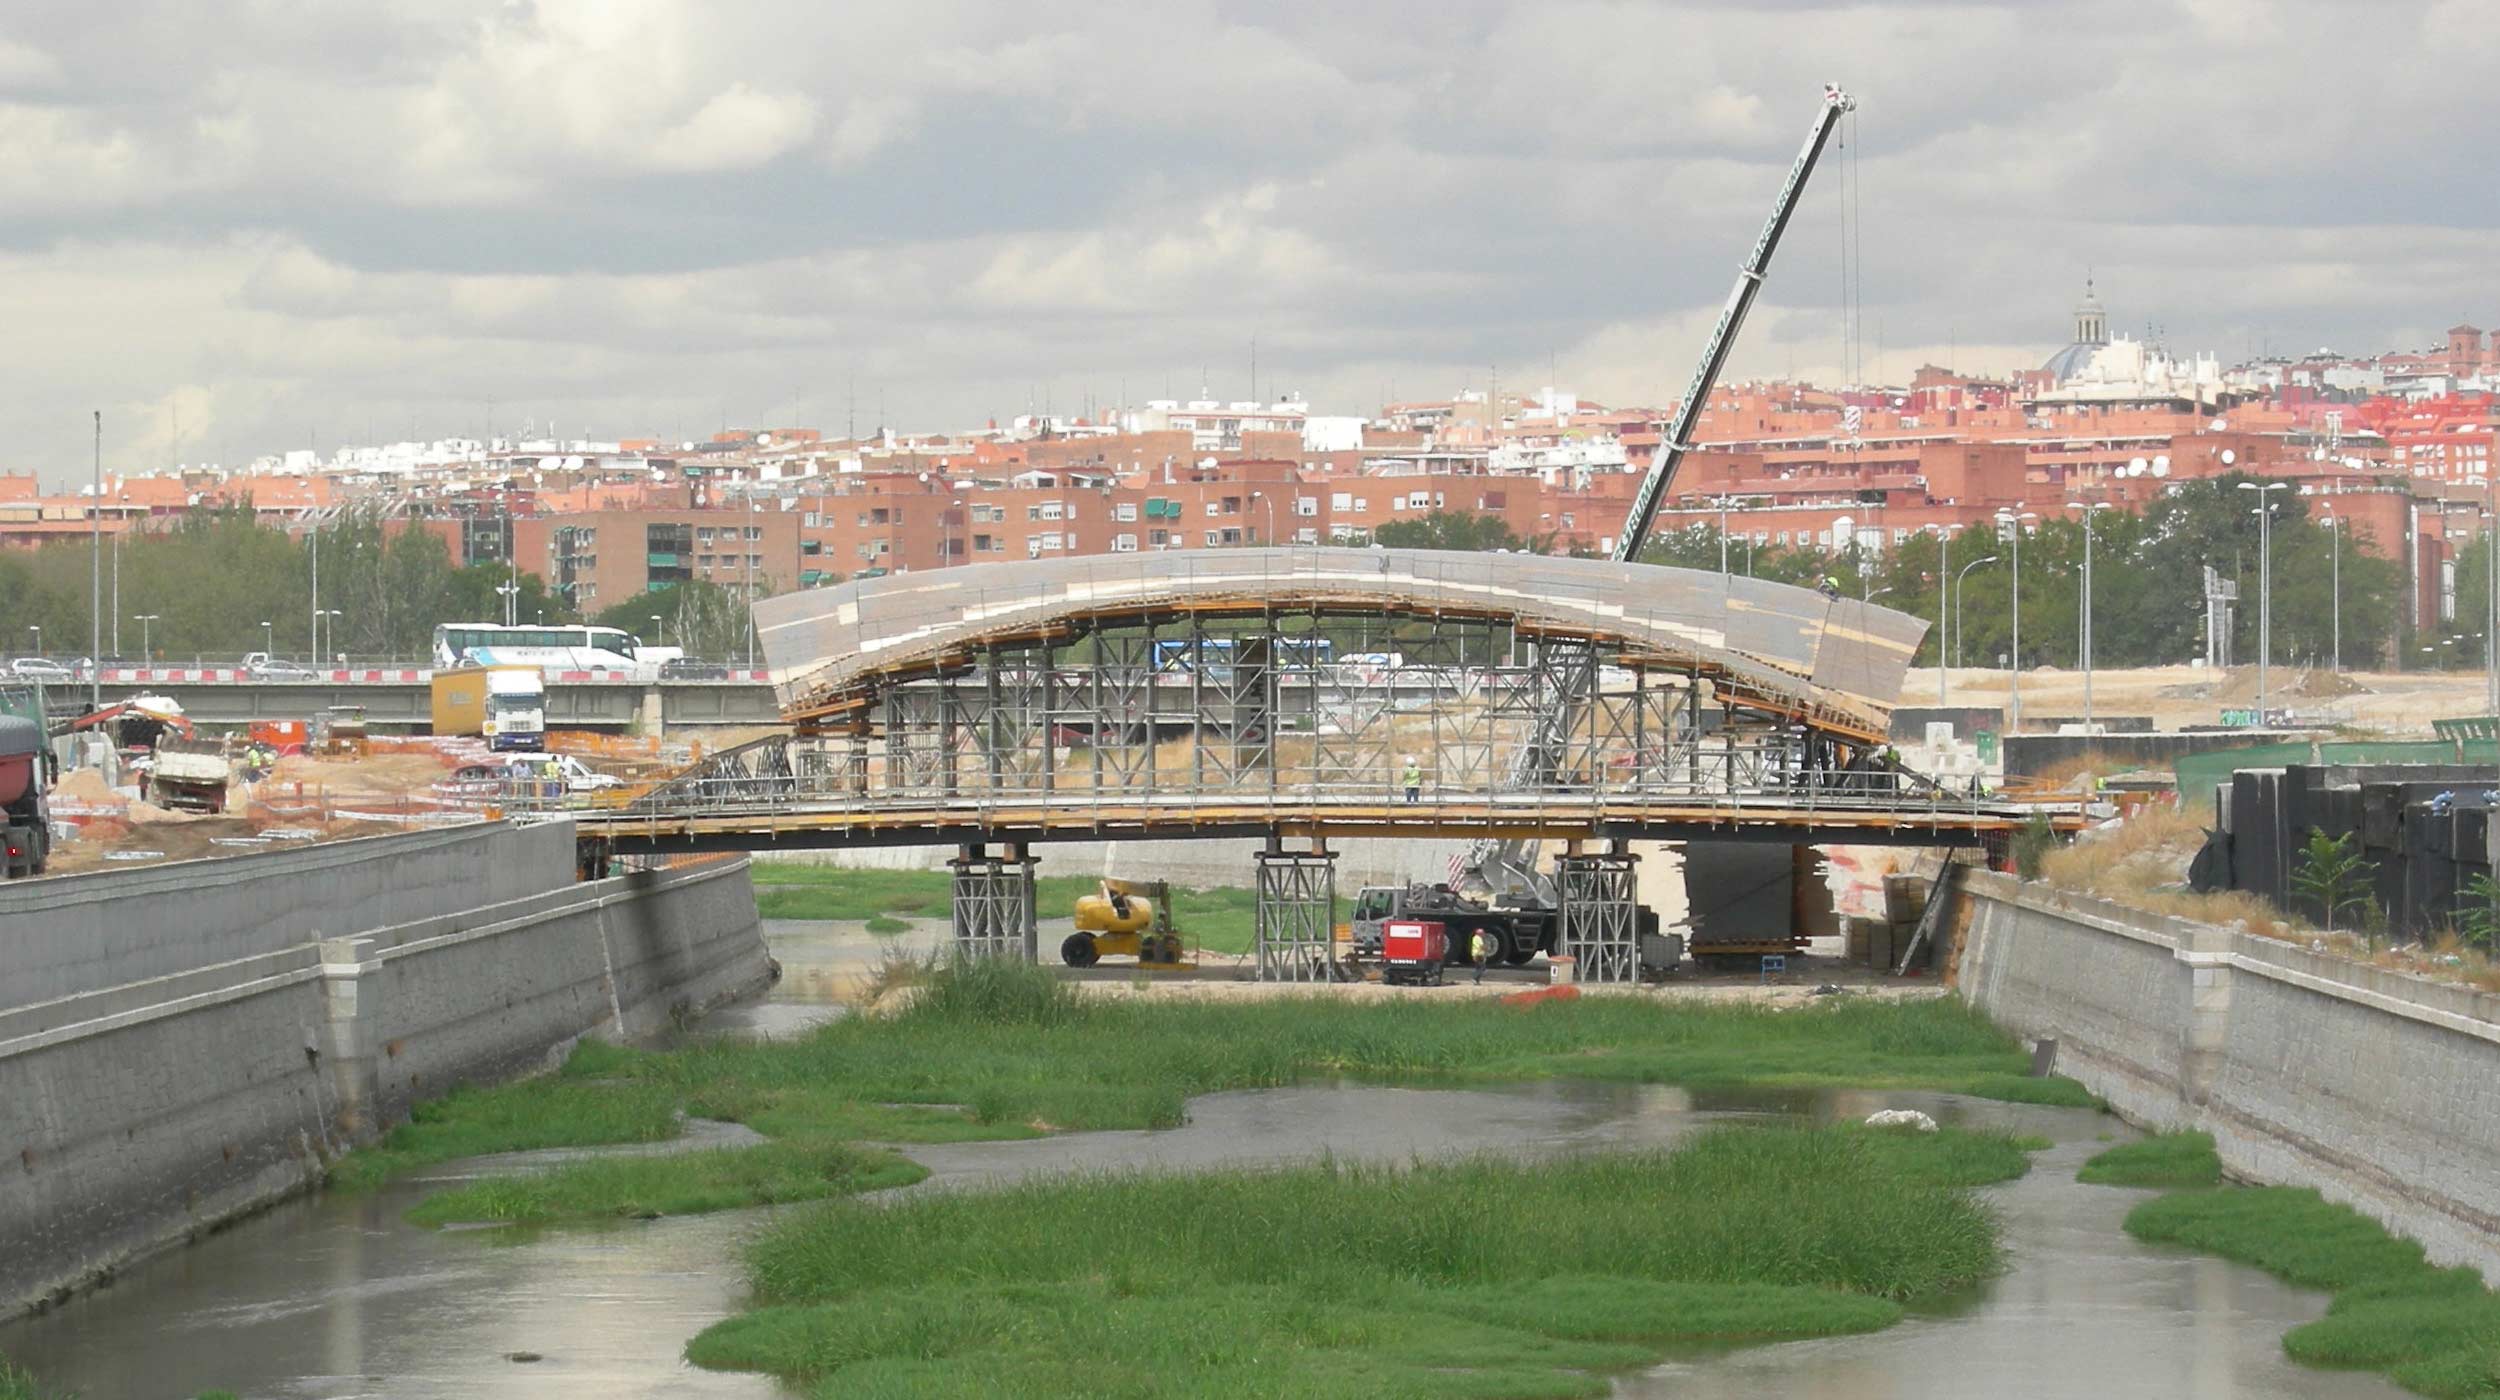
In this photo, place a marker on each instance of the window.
(1341, 501)
(1211, 508)
(1053, 510)
(1419, 500)
(1124, 544)
(1306, 505)
(1362, 506)
(1125, 512)
(989, 515)
(1213, 536)
(1158, 538)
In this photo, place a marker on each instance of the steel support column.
(993, 905)
(1600, 916)
(1297, 929)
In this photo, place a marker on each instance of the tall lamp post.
(2084, 641)
(1270, 502)
(1953, 636)
(267, 645)
(2265, 586)
(146, 652)
(2014, 519)
(659, 631)
(332, 627)
(2335, 579)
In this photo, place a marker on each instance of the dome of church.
(2091, 333)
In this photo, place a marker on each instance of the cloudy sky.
(240, 226)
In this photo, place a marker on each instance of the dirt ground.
(2389, 702)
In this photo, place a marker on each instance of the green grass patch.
(2176, 1160)
(886, 924)
(677, 1183)
(572, 1109)
(2434, 1331)
(997, 1049)
(1220, 920)
(17, 1384)
(1333, 1280)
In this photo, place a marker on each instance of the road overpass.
(406, 706)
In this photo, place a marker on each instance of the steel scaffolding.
(993, 904)
(1600, 915)
(1297, 928)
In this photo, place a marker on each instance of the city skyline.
(244, 234)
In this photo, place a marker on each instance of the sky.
(250, 226)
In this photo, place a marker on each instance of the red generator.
(1413, 950)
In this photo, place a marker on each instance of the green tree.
(2478, 913)
(2332, 874)
(703, 619)
(1456, 529)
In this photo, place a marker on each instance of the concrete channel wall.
(136, 1113)
(2380, 1089)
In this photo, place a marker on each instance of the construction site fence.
(2200, 775)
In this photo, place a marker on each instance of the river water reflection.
(336, 1297)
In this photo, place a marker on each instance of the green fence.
(2199, 774)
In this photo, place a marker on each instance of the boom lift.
(1505, 871)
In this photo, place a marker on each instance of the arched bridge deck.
(1318, 693)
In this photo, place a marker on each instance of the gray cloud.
(291, 221)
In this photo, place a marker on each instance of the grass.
(996, 1049)
(16, 1384)
(1220, 920)
(2433, 1331)
(2174, 1160)
(1333, 1280)
(684, 1183)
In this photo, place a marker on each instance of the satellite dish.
(2221, 424)
(2136, 467)
(2161, 461)
(2229, 456)
(2317, 454)
(2162, 467)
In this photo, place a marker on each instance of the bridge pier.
(993, 904)
(1600, 914)
(1297, 923)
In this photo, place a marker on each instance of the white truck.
(504, 705)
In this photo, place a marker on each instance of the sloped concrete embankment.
(184, 1044)
(2378, 1088)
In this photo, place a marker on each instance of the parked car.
(521, 772)
(38, 668)
(261, 666)
(688, 669)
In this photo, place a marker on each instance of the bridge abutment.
(1600, 913)
(993, 902)
(1297, 927)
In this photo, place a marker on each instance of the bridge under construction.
(1302, 695)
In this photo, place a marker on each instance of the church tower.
(2091, 322)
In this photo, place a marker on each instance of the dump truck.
(190, 776)
(504, 705)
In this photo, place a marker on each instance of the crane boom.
(1506, 869)
(1653, 489)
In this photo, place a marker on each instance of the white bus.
(553, 650)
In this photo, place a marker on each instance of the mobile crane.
(1503, 873)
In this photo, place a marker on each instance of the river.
(331, 1297)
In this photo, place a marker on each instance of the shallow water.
(335, 1297)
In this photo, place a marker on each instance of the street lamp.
(1270, 502)
(2265, 586)
(659, 631)
(333, 628)
(2084, 642)
(511, 603)
(146, 652)
(267, 647)
(37, 629)
(1953, 637)
(1722, 504)
(2014, 518)
(2335, 576)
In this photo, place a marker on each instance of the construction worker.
(1480, 951)
(1411, 777)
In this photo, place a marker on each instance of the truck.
(26, 767)
(504, 705)
(25, 824)
(1519, 934)
(191, 775)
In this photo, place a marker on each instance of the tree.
(1456, 529)
(703, 619)
(2332, 874)
(2478, 913)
